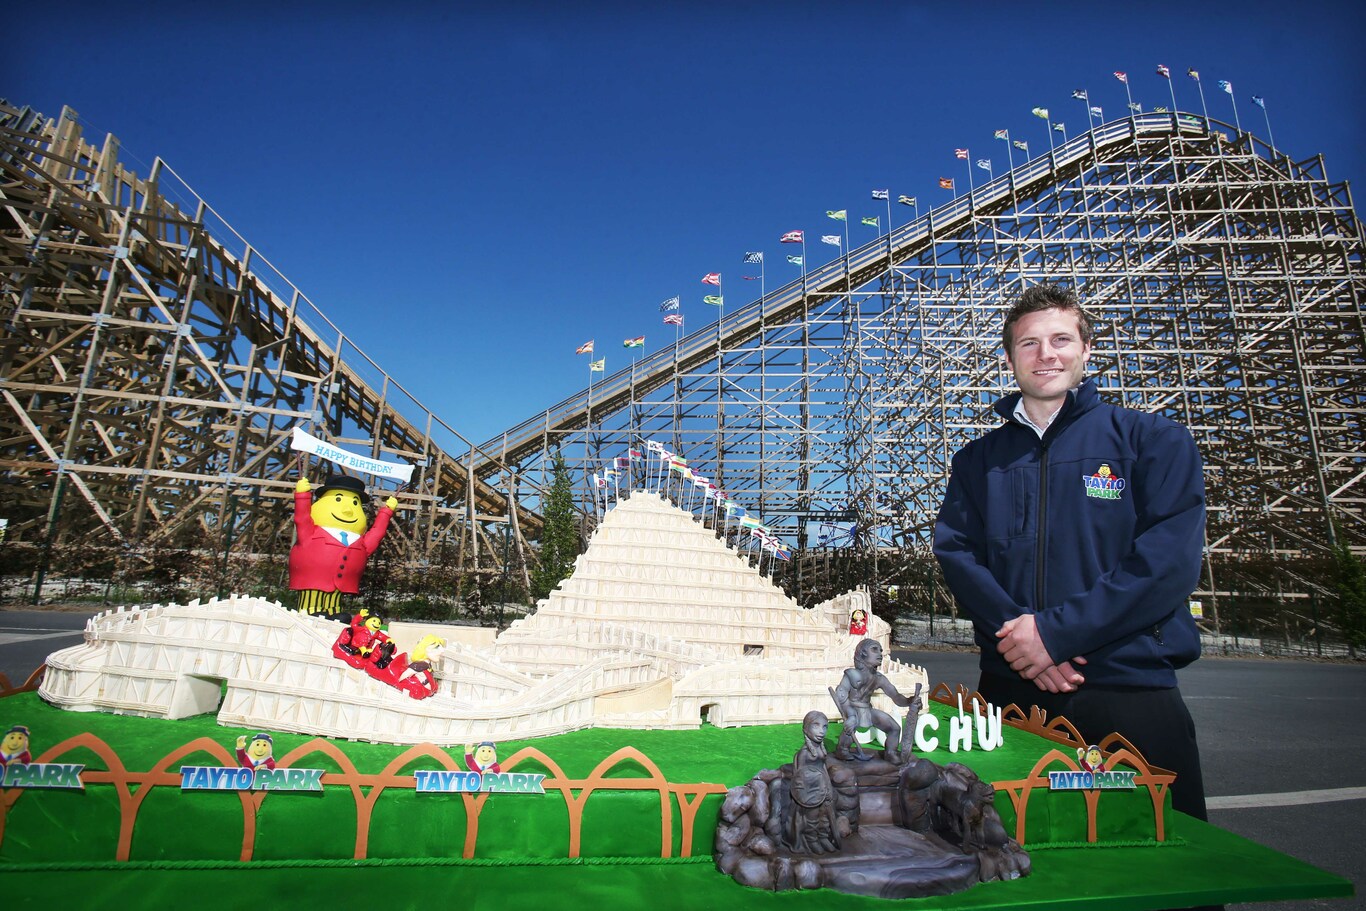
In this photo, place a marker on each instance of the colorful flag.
(750, 522)
(1259, 101)
(1136, 107)
(637, 342)
(673, 319)
(654, 445)
(678, 461)
(598, 366)
(961, 153)
(712, 278)
(1002, 134)
(635, 455)
(1226, 86)
(1097, 112)
(946, 183)
(1041, 112)
(832, 239)
(1022, 146)
(880, 194)
(837, 214)
(585, 348)
(1080, 93)
(782, 553)
(609, 473)
(750, 278)
(670, 304)
(795, 260)
(1164, 72)
(621, 462)
(754, 257)
(599, 482)
(1160, 109)
(732, 506)
(1060, 127)
(1194, 74)
(906, 200)
(984, 164)
(1122, 76)
(715, 300)
(871, 221)
(791, 237)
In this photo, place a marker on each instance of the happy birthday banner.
(303, 442)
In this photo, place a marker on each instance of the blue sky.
(470, 191)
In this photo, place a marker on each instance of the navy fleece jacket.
(1097, 529)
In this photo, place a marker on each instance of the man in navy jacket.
(1072, 537)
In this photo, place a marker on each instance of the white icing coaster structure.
(662, 625)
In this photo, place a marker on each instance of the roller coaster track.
(157, 372)
(832, 281)
(152, 359)
(1229, 282)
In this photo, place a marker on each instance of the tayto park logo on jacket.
(1104, 484)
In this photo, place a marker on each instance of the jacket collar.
(1079, 401)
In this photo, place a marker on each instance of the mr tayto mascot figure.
(256, 753)
(332, 543)
(14, 747)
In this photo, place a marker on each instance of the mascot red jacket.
(333, 544)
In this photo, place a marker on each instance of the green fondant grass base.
(58, 846)
(1212, 866)
(172, 825)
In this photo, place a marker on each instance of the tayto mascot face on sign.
(14, 746)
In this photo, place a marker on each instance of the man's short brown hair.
(1047, 296)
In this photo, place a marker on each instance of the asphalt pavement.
(1280, 741)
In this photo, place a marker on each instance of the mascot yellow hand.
(391, 503)
(303, 486)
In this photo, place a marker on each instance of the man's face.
(1049, 355)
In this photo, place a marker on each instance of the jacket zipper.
(1041, 529)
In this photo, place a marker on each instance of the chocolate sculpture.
(893, 825)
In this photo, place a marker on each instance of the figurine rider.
(854, 697)
(332, 543)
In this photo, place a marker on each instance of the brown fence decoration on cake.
(1114, 747)
(366, 788)
(28, 686)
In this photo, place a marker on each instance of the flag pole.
(1228, 90)
(1048, 122)
(1260, 101)
(1195, 74)
(763, 292)
(588, 427)
(887, 198)
(1171, 87)
(1128, 95)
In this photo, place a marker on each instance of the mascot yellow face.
(485, 755)
(14, 742)
(260, 748)
(340, 509)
